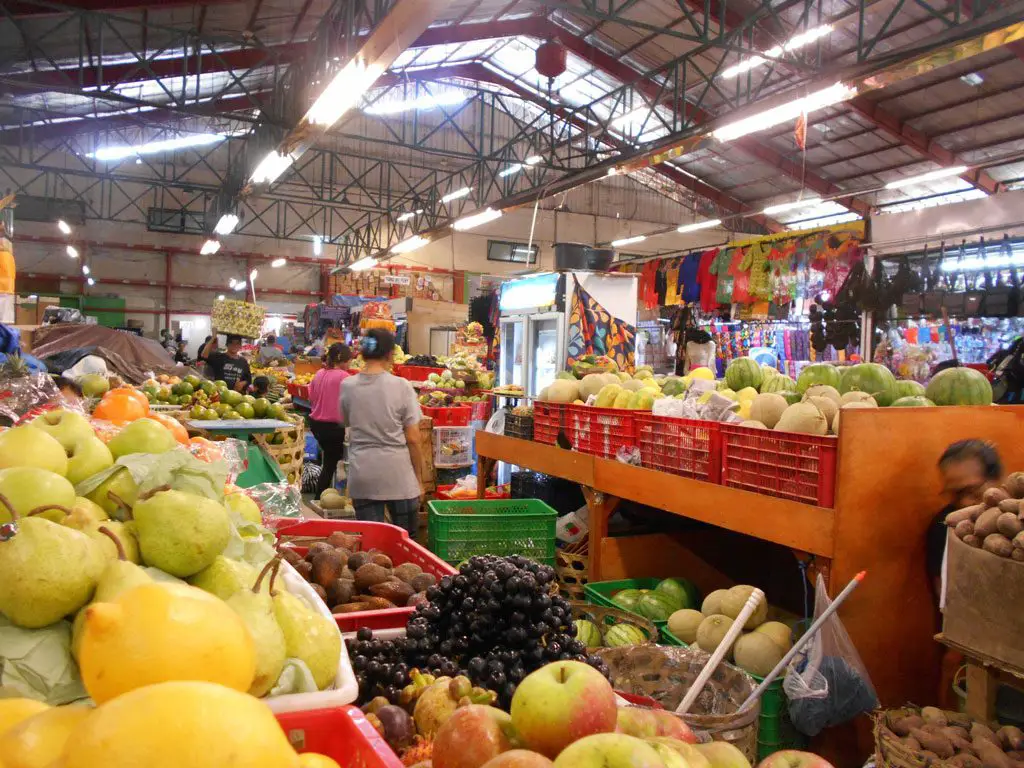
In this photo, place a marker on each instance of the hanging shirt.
(707, 278)
(740, 276)
(672, 283)
(689, 270)
(756, 264)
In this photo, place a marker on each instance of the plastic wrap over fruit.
(234, 453)
(22, 398)
(282, 500)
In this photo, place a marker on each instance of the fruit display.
(912, 736)
(425, 361)
(211, 400)
(657, 604)
(332, 500)
(376, 314)
(237, 317)
(997, 524)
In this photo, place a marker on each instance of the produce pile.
(952, 737)
(997, 524)
(426, 361)
(211, 400)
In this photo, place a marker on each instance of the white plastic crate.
(453, 446)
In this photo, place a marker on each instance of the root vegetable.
(1008, 525)
(986, 522)
(963, 529)
(934, 716)
(1014, 485)
(1010, 505)
(993, 496)
(903, 726)
(1018, 541)
(981, 732)
(991, 755)
(911, 743)
(972, 541)
(965, 760)
(1010, 737)
(966, 513)
(934, 742)
(1018, 555)
(997, 544)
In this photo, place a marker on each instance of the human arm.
(413, 441)
(210, 346)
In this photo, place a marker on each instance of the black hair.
(982, 451)
(337, 353)
(63, 382)
(261, 384)
(233, 338)
(377, 344)
(271, 339)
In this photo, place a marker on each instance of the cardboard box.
(25, 312)
(42, 305)
(984, 595)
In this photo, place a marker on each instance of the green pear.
(256, 608)
(83, 512)
(123, 533)
(308, 636)
(142, 436)
(47, 570)
(117, 494)
(180, 533)
(225, 577)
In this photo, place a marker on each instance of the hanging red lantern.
(551, 59)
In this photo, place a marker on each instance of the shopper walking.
(325, 414)
(382, 416)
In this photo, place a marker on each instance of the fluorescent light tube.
(791, 110)
(457, 194)
(90, 281)
(72, 251)
(210, 247)
(343, 92)
(405, 216)
(793, 44)
(628, 241)
(253, 275)
(220, 297)
(942, 173)
(807, 202)
(411, 244)
(449, 99)
(318, 246)
(533, 159)
(278, 263)
(226, 224)
(511, 169)
(699, 225)
(63, 227)
(85, 269)
(476, 219)
(111, 154)
(270, 168)
(367, 262)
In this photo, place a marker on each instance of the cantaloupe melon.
(756, 653)
(712, 631)
(823, 390)
(684, 623)
(713, 602)
(826, 405)
(753, 424)
(803, 418)
(779, 632)
(734, 600)
(633, 385)
(768, 408)
(857, 397)
(563, 391)
(591, 385)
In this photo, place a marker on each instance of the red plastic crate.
(342, 734)
(600, 431)
(298, 390)
(481, 410)
(686, 447)
(453, 416)
(548, 418)
(389, 539)
(783, 464)
(415, 372)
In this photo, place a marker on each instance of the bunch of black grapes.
(495, 621)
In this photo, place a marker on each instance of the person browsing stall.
(325, 412)
(382, 416)
(228, 366)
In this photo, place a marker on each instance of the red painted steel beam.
(106, 6)
(160, 284)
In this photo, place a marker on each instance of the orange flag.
(800, 132)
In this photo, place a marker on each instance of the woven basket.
(606, 618)
(665, 674)
(289, 454)
(891, 752)
(572, 570)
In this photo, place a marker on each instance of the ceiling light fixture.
(477, 219)
(210, 247)
(405, 216)
(807, 202)
(318, 246)
(457, 194)
(220, 297)
(113, 154)
(942, 173)
(90, 281)
(430, 101)
(85, 269)
(270, 168)
(231, 283)
(343, 92)
(72, 251)
(628, 241)
(411, 244)
(367, 262)
(972, 79)
(278, 263)
(791, 110)
(697, 225)
(253, 275)
(533, 159)
(226, 224)
(63, 227)
(511, 169)
(793, 44)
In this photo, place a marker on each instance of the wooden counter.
(887, 494)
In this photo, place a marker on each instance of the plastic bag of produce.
(827, 683)
(275, 500)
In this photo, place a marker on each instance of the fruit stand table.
(261, 468)
(984, 676)
(887, 493)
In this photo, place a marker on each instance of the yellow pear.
(314, 760)
(13, 711)
(161, 631)
(178, 724)
(38, 741)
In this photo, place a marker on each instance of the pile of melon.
(760, 646)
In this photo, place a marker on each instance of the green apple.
(142, 436)
(220, 384)
(209, 388)
(248, 399)
(197, 412)
(245, 410)
(209, 414)
(116, 492)
(193, 381)
(94, 385)
(29, 488)
(275, 412)
(244, 506)
(26, 446)
(260, 407)
(609, 750)
(87, 457)
(231, 397)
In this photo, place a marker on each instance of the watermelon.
(624, 634)
(778, 384)
(909, 388)
(588, 633)
(628, 598)
(959, 386)
(791, 397)
(817, 373)
(912, 401)
(656, 606)
(875, 379)
(681, 590)
(743, 372)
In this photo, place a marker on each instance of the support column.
(167, 290)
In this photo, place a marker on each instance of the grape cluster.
(495, 621)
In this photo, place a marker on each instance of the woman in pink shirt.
(325, 417)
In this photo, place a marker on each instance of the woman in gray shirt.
(384, 456)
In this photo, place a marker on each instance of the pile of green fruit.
(669, 596)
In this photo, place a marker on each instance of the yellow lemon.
(38, 741)
(159, 632)
(313, 760)
(702, 373)
(177, 724)
(13, 711)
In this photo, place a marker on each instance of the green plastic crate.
(457, 530)
(601, 592)
(667, 638)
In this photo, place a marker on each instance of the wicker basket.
(572, 569)
(289, 453)
(665, 674)
(891, 752)
(606, 618)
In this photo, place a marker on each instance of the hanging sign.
(396, 279)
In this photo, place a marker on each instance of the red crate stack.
(599, 431)
(415, 372)
(548, 418)
(783, 464)
(686, 447)
(451, 416)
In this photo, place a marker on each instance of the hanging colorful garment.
(593, 331)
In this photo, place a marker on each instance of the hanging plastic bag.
(827, 683)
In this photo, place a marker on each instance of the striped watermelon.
(778, 384)
(909, 388)
(959, 386)
(817, 373)
(912, 401)
(624, 634)
(743, 372)
(627, 599)
(875, 379)
(656, 606)
(588, 633)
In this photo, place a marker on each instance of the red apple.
(651, 723)
(519, 758)
(794, 758)
(473, 735)
(560, 703)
